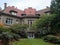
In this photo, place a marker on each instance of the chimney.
(47, 7)
(30, 7)
(0, 8)
(5, 5)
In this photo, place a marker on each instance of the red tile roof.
(9, 8)
(42, 12)
(0, 10)
(29, 11)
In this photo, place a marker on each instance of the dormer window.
(37, 14)
(13, 12)
(23, 14)
(48, 12)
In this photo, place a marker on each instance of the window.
(30, 22)
(17, 20)
(48, 12)
(9, 21)
(37, 14)
(23, 14)
(13, 12)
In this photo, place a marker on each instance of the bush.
(16, 37)
(23, 34)
(52, 39)
(19, 29)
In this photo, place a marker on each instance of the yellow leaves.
(1, 24)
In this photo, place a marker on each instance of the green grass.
(31, 42)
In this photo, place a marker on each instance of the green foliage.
(5, 37)
(15, 36)
(6, 34)
(55, 9)
(43, 21)
(19, 27)
(52, 39)
(4, 29)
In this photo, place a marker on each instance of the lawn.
(30, 42)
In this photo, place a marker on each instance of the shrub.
(52, 39)
(16, 37)
(5, 37)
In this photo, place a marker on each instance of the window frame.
(9, 21)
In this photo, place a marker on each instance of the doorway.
(30, 35)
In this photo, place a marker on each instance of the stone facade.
(17, 16)
(8, 20)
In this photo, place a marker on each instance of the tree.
(55, 9)
(43, 24)
(43, 21)
(6, 35)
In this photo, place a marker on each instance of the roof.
(30, 12)
(43, 11)
(0, 10)
(9, 8)
(1, 13)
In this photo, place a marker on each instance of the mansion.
(12, 15)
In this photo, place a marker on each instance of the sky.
(22, 4)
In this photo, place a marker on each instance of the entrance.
(30, 35)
